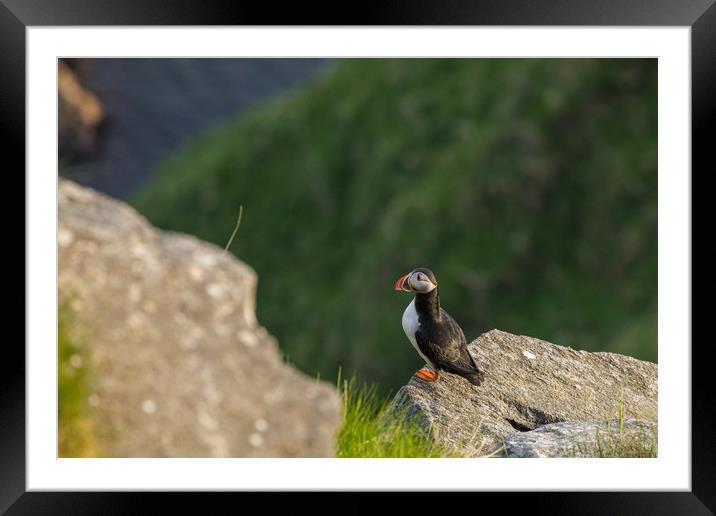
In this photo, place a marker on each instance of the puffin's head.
(418, 280)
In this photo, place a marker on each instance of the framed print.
(228, 214)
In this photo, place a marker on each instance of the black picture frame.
(17, 15)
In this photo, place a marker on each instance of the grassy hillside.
(529, 186)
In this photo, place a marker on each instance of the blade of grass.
(238, 223)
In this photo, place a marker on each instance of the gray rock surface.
(584, 439)
(529, 383)
(181, 366)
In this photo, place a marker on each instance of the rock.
(529, 383)
(585, 439)
(181, 367)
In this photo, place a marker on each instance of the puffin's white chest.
(411, 324)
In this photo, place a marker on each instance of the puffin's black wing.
(447, 349)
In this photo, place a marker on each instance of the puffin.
(434, 334)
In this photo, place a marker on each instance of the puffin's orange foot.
(427, 375)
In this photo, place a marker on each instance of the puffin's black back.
(440, 337)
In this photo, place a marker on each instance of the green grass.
(368, 429)
(641, 445)
(528, 185)
(611, 443)
(615, 443)
(74, 413)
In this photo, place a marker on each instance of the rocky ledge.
(613, 438)
(529, 385)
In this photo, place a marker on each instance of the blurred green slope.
(528, 185)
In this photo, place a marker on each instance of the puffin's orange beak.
(399, 283)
